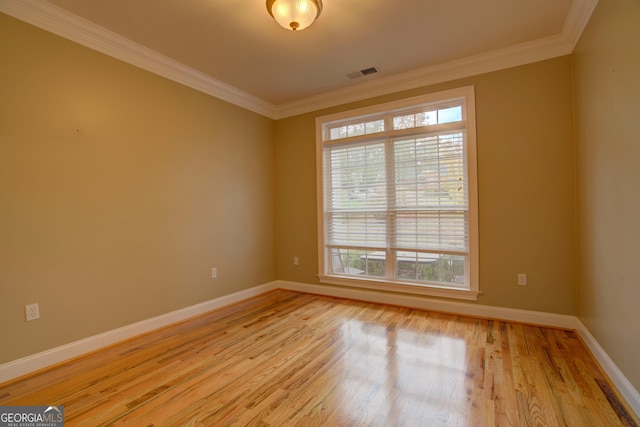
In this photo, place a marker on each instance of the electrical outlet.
(32, 312)
(214, 272)
(295, 260)
(522, 279)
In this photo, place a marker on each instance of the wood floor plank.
(286, 358)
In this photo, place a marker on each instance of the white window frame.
(467, 96)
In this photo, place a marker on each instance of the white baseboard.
(616, 376)
(26, 365)
(625, 387)
(475, 310)
(35, 362)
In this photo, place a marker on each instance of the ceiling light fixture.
(294, 15)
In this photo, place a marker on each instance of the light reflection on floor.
(389, 368)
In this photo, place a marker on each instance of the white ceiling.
(234, 50)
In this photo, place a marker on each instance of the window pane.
(431, 230)
(375, 126)
(356, 195)
(358, 262)
(430, 171)
(356, 177)
(367, 229)
(429, 267)
(355, 130)
(449, 115)
(338, 132)
(404, 122)
(427, 118)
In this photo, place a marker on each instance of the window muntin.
(356, 128)
(427, 117)
(398, 201)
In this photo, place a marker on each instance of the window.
(397, 196)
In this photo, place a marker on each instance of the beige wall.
(526, 159)
(119, 190)
(607, 86)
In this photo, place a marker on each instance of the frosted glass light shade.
(294, 15)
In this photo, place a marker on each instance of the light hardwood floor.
(286, 358)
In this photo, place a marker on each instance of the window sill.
(403, 287)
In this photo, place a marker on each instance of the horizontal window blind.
(356, 198)
(431, 231)
(429, 205)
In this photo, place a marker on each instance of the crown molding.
(72, 27)
(513, 56)
(62, 23)
(577, 20)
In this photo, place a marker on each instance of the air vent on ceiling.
(365, 72)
